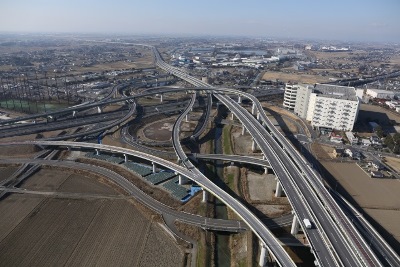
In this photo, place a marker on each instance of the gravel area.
(261, 187)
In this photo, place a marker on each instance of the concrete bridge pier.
(154, 167)
(265, 170)
(233, 116)
(253, 145)
(239, 99)
(181, 179)
(125, 158)
(258, 115)
(99, 109)
(295, 226)
(243, 130)
(253, 109)
(74, 113)
(97, 152)
(161, 98)
(263, 254)
(205, 196)
(278, 190)
(187, 118)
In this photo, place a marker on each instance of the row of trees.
(393, 142)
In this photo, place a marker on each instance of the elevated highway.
(341, 254)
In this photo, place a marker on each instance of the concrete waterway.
(222, 251)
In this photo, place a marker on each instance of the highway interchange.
(334, 239)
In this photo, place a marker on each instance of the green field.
(30, 106)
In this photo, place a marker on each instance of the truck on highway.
(307, 223)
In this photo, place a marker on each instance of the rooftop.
(335, 91)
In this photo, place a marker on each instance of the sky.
(351, 20)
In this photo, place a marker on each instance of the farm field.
(54, 231)
(297, 77)
(377, 197)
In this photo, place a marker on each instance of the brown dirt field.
(5, 172)
(377, 112)
(389, 219)
(377, 197)
(395, 60)
(393, 162)
(241, 143)
(91, 232)
(152, 256)
(144, 62)
(46, 180)
(368, 192)
(82, 184)
(261, 187)
(294, 77)
(13, 151)
(322, 152)
(159, 131)
(13, 209)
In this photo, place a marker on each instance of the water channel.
(222, 252)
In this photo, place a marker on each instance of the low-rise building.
(337, 138)
(365, 142)
(376, 174)
(352, 138)
(378, 93)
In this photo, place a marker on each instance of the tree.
(379, 131)
(389, 141)
(396, 143)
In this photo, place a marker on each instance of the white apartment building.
(334, 107)
(327, 106)
(289, 98)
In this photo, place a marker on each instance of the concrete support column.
(161, 98)
(187, 118)
(253, 109)
(295, 226)
(97, 152)
(205, 196)
(154, 167)
(98, 109)
(278, 190)
(243, 130)
(239, 99)
(180, 181)
(233, 116)
(253, 146)
(73, 113)
(265, 170)
(125, 158)
(263, 255)
(258, 115)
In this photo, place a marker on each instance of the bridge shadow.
(381, 118)
(211, 175)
